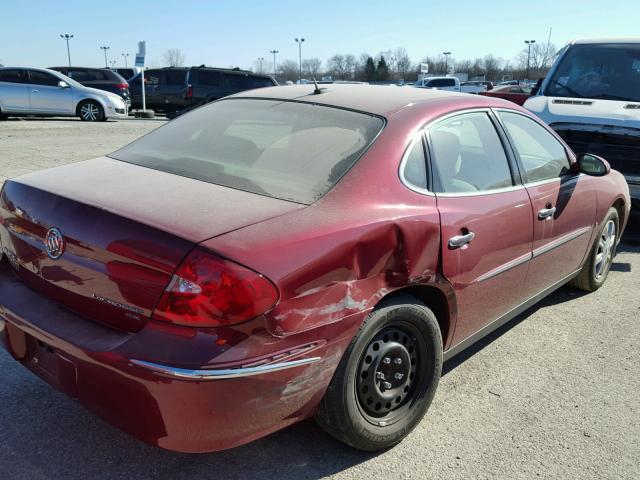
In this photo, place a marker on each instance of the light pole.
(113, 64)
(125, 55)
(67, 37)
(106, 62)
(260, 60)
(529, 43)
(446, 62)
(299, 42)
(274, 52)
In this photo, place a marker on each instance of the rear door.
(485, 218)
(170, 91)
(14, 90)
(46, 96)
(152, 80)
(563, 203)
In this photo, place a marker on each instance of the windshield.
(605, 71)
(289, 150)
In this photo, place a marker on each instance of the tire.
(596, 268)
(91, 111)
(358, 408)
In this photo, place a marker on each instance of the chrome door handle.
(546, 213)
(461, 240)
(34, 91)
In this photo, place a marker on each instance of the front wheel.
(91, 111)
(386, 379)
(596, 268)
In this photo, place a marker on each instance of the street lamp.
(446, 62)
(299, 42)
(274, 52)
(260, 60)
(113, 64)
(529, 43)
(125, 55)
(67, 37)
(106, 62)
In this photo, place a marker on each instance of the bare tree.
(491, 66)
(350, 65)
(288, 70)
(336, 66)
(402, 61)
(542, 55)
(311, 67)
(174, 57)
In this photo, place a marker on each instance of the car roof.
(73, 67)
(589, 41)
(375, 99)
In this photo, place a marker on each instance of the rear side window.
(541, 154)
(152, 77)
(12, 76)
(288, 150)
(442, 82)
(236, 82)
(175, 77)
(467, 155)
(210, 78)
(415, 167)
(43, 78)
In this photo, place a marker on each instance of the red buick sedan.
(513, 93)
(294, 252)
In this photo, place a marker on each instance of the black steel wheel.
(387, 378)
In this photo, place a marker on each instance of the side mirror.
(593, 165)
(63, 84)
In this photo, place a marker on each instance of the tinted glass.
(443, 82)
(415, 167)
(210, 78)
(258, 82)
(608, 71)
(174, 77)
(236, 82)
(12, 76)
(542, 155)
(468, 155)
(294, 151)
(43, 78)
(152, 77)
(126, 73)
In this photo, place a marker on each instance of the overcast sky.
(236, 33)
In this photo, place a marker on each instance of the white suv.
(35, 91)
(441, 83)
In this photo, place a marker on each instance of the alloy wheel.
(606, 246)
(89, 111)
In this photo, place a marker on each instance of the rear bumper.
(189, 408)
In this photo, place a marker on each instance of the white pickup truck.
(473, 87)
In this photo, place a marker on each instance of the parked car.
(515, 94)
(440, 83)
(176, 89)
(128, 72)
(508, 82)
(472, 87)
(282, 254)
(591, 98)
(100, 78)
(37, 91)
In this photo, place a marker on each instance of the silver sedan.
(38, 91)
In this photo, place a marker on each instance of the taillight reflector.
(209, 291)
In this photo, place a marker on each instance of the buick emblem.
(54, 243)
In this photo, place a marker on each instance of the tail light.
(208, 291)
(189, 93)
(122, 86)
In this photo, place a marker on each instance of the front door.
(485, 219)
(563, 203)
(14, 90)
(46, 96)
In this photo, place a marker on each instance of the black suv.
(174, 90)
(100, 78)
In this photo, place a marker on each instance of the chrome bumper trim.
(222, 373)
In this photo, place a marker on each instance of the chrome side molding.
(222, 374)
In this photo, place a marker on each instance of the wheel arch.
(440, 299)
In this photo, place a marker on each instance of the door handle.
(35, 91)
(461, 240)
(546, 213)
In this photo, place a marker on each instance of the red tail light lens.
(189, 93)
(208, 291)
(122, 86)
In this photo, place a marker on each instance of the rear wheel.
(386, 379)
(596, 268)
(91, 111)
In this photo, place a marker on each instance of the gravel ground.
(552, 394)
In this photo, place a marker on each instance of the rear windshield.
(288, 150)
(606, 71)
